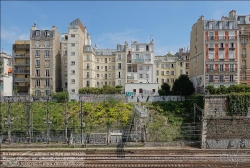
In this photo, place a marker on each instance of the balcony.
(22, 63)
(244, 78)
(221, 59)
(231, 48)
(88, 67)
(243, 66)
(221, 80)
(130, 77)
(37, 56)
(129, 61)
(210, 48)
(222, 37)
(26, 55)
(138, 60)
(21, 80)
(243, 55)
(47, 56)
(211, 37)
(87, 76)
(46, 86)
(232, 37)
(22, 71)
(232, 69)
(221, 48)
(37, 86)
(211, 80)
(231, 59)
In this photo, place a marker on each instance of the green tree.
(183, 86)
(165, 89)
(61, 96)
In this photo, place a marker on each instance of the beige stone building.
(214, 53)
(72, 47)
(244, 41)
(21, 66)
(45, 61)
(169, 67)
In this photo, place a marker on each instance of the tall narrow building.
(77, 37)
(214, 53)
(21, 60)
(45, 61)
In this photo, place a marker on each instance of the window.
(140, 90)
(180, 64)
(72, 44)
(211, 45)
(73, 90)
(38, 93)
(231, 78)
(167, 72)
(106, 68)
(87, 57)
(147, 68)
(87, 75)
(140, 75)
(97, 59)
(231, 67)
(211, 78)
(47, 92)
(113, 59)
(97, 67)
(147, 75)
(46, 53)
(73, 72)
(147, 48)
(106, 60)
(46, 44)
(187, 64)
(134, 90)
(211, 35)
(38, 82)
(210, 56)
(231, 35)
(47, 63)
(73, 81)
(119, 66)
(157, 72)
(221, 55)
(167, 80)
(221, 45)
(72, 53)
(210, 67)
(37, 72)
(73, 62)
(37, 52)
(47, 72)
(221, 78)
(231, 54)
(221, 68)
(243, 41)
(113, 67)
(181, 72)
(119, 57)
(140, 67)
(37, 33)
(220, 25)
(97, 83)
(119, 82)
(137, 47)
(72, 35)
(162, 65)
(167, 65)
(162, 72)
(37, 44)
(230, 25)
(46, 82)
(97, 75)
(37, 63)
(172, 65)
(221, 35)
(172, 72)
(87, 66)
(162, 81)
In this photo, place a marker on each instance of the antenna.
(150, 36)
(2, 50)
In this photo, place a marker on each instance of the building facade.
(169, 67)
(6, 76)
(243, 22)
(214, 53)
(77, 38)
(45, 61)
(21, 66)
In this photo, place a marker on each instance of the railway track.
(125, 158)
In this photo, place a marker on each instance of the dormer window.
(37, 33)
(46, 33)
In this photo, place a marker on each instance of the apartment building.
(6, 78)
(76, 38)
(169, 67)
(244, 41)
(214, 53)
(45, 61)
(140, 62)
(21, 66)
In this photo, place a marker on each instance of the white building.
(6, 78)
(141, 89)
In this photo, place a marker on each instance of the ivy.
(238, 103)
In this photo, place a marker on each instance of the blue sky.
(110, 22)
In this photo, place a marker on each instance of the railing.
(222, 70)
(210, 48)
(244, 78)
(221, 80)
(130, 77)
(244, 66)
(231, 48)
(22, 71)
(211, 37)
(221, 59)
(211, 81)
(232, 37)
(232, 69)
(137, 60)
(221, 48)
(231, 59)
(46, 86)
(22, 63)
(22, 55)
(46, 56)
(19, 79)
(222, 37)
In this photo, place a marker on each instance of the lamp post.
(48, 121)
(9, 122)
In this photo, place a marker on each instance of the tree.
(183, 86)
(165, 89)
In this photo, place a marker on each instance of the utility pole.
(66, 121)
(47, 121)
(28, 126)
(9, 122)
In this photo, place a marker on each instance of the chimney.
(232, 15)
(53, 27)
(33, 27)
(201, 18)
